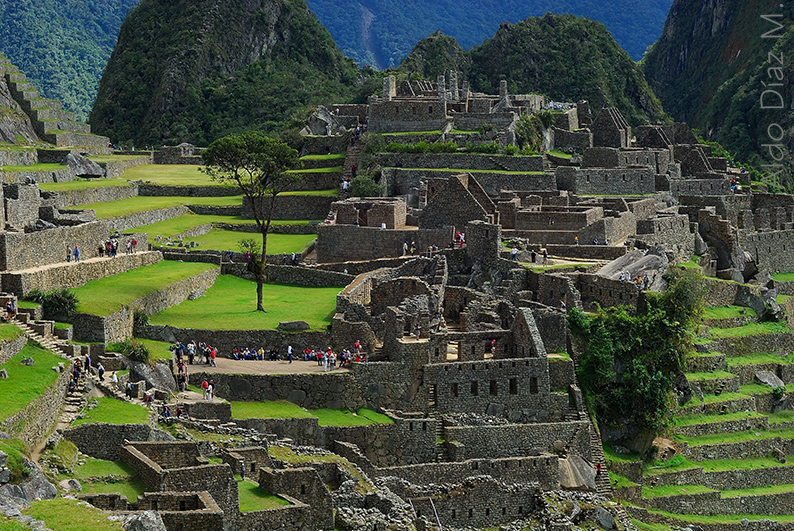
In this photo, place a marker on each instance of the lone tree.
(258, 166)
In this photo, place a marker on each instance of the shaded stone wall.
(117, 168)
(463, 161)
(94, 195)
(144, 218)
(35, 422)
(9, 349)
(519, 439)
(607, 292)
(187, 191)
(601, 181)
(771, 250)
(303, 484)
(104, 441)
(572, 141)
(400, 181)
(407, 115)
(338, 243)
(226, 340)
(296, 207)
(406, 442)
(75, 274)
(295, 517)
(679, 187)
(311, 391)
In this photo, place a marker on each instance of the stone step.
(47, 113)
(43, 126)
(70, 139)
(39, 103)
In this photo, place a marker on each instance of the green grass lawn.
(71, 515)
(134, 205)
(130, 487)
(728, 312)
(758, 491)
(254, 498)
(41, 166)
(751, 329)
(114, 411)
(332, 156)
(612, 455)
(26, 383)
(333, 169)
(691, 420)
(345, 417)
(618, 481)
(83, 184)
(722, 518)
(175, 226)
(230, 304)
(673, 490)
(783, 277)
(107, 295)
(561, 154)
(785, 415)
(171, 175)
(9, 332)
(288, 455)
(224, 240)
(741, 436)
(760, 357)
(702, 376)
(333, 192)
(101, 159)
(723, 397)
(754, 388)
(158, 350)
(27, 304)
(100, 467)
(780, 299)
(268, 409)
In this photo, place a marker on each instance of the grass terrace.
(175, 226)
(25, 383)
(728, 312)
(107, 295)
(783, 277)
(287, 455)
(113, 411)
(71, 515)
(331, 156)
(331, 169)
(722, 518)
(230, 304)
(224, 239)
(691, 420)
(761, 357)
(751, 329)
(172, 175)
(454, 170)
(102, 159)
(254, 498)
(141, 203)
(40, 166)
(9, 332)
(561, 154)
(129, 487)
(673, 490)
(741, 436)
(83, 184)
(327, 417)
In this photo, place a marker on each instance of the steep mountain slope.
(382, 32)
(62, 45)
(708, 66)
(561, 56)
(198, 69)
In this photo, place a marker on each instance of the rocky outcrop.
(14, 123)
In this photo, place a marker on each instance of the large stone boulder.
(158, 375)
(83, 167)
(577, 474)
(323, 122)
(769, 378)
(144, 521)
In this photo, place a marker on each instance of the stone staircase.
(352, 159)
(442, 454)
(50, 121)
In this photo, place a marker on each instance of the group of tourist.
(196, 353)
(641, 282)
(328, 359)
(107, 248)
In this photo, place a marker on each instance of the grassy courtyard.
(171, 175)
(175, 226)
(83, 184)
(224, 240)
(71, 515)
(107, 295)
(230, 304)
(327, 417)
(134, 205)
(25, 383)
(113, 411)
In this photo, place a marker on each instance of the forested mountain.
(709, 65)
(62, 45)
(382, 32)
(198, 69)
(562, 56)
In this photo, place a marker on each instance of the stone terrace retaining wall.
(338, 243)
(95, 195)
(296, 207)
(117, 168)
(226, 340)
(20, 250)
(145, 218)
(18, 158)
(759, 343)
(149, 189)
(35, 422)
(739, 450)
(9, 349)
(400, 181)
(118, 326)
(75, 274)
(41, 177)
(104, 441)
(751, 525)
(294, 517)
(310, 391)
(304, 276)
(518, 439)
(592, 252)
(463, 161)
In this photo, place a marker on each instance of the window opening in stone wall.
(475, 389)
(454, 514)
(470, 513)
(303, 489)
(154, 505)
(453, 390)
(533, 385)
(424, 426)
(493, 388)
(410, 426)
(430, 109)
(513, 386)
(182, 505)
(520, 509)
(473, 350)
(487, 512)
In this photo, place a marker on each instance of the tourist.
(213, 354)
(204, 386)
(100, 249)
(332, 361)
(76, 254)
(11, 308)
(353, 171)
(114, 379)
(68, 254)
(210, 390)
(418, 329)
(101, 372)
(294, 258)
(357, 347)
(134, 244)
(129, 247)
(545, 257)
(595, 241)
(532, 256)
(576, 240)
(383, 225)
(326, 359)
(514, 254)
(289, 353)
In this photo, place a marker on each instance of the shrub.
(491, 148)
(131, 348)
(778, 392)
(486, 128)
(511, 150)
(58, 303)
(365, 186)
(140, 319)
(35, 295)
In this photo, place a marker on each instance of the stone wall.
(608, 292)
(9, 349)
(39, 177)
(295, 517)
(406, 442)
(89, 196)
(521, 439)
(226, 340)
(771, 250)
(73, 275)
(572, 141)
(303, 484)
(116, 168)
(339, 243)
(118, 326)
(303, 431)
(145, 218)
(104, 441)
(679, 187)
(215, 479)
(306, 276)
(296, 207)
(601, 181)
(407, 115)
(400, 181)
(517, 389)
(463, 161)
(36, 421)
(151, 189)
(311, 391)
(323, 145)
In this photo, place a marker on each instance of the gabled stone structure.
(458, 201)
